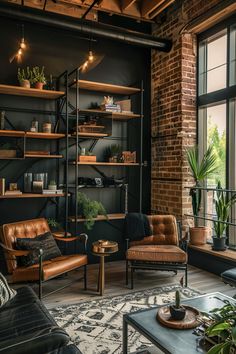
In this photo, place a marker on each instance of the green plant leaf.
(218, 348)
(217, 328)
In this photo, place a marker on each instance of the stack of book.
(111, 107)
(15, 192)
(52, 191)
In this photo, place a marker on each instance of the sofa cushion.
(154, 253)
(46, 242)
(27, 327)
(6, 293)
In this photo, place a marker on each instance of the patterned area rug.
(95, 326)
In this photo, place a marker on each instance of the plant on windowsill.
(200, 170)
(89, 210)
(38, 77)
(223, 206)
(221, 329)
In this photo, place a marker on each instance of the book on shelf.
(16, 192)
(111, 108)
(52, 191)
(2, 186)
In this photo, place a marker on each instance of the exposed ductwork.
(84, 26)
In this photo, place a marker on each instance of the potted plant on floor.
(39, 77)
(89, 210)
(200, 170)
(25, 77)
(223, 206)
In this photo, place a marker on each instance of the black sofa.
(26, 326)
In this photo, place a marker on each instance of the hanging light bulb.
(22, 48)
(90, 56)
(23, 44)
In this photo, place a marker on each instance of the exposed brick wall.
(174, 109)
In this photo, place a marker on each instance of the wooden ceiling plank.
(160, 9)
(149, 6)
(126, 3)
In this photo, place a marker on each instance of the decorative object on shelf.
(34, 126)
(41, 177)
(89, 209)
(6, 151)
(38, 187)
(87, 158)
(37, 152)
(90, 128)
(47, 128)
(177, 311)
(83, 151)
(2, 186)
(39, 79)
(2, 120)
(28, 179)
(125, 106)
(113, 153)
(22, 47)
(52, 185)
(223, 207)
(200, 170)
(219, 327)
(108, 105)
(128, 156)
(25, 77)
(13, 186)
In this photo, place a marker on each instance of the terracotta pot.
(25, 83)
(198, 235)
(39, 85)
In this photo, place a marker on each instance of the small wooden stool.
(102, 249)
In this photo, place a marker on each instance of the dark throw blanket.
(136, 226)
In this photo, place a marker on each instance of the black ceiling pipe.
(28, 14)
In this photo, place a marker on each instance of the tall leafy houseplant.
(223, 206)
(89, 209)
(200, 170)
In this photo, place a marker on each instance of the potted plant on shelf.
(89, 210)
(113, 153)
(177, 311)
(52, 185)
(25, 77)
(223, 206)
(38, 77)
(200, 170)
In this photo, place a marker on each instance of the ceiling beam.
(149, 6)
(161, 8)
(126, 3)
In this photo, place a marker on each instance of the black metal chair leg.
(132, 277)
(127, 273)
(40, 273)
(85, 277)
(186, 276)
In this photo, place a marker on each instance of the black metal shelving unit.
(74, 83)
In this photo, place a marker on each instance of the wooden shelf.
(30, 92)
(100, 218)
(106, 163)
(32, 135)
(89, 135)
(113, 115)
(31, 195)
(12, 133)
(51, 136)
(227, 254)
(43, 156)
(108, 88)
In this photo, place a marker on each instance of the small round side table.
(102, 249)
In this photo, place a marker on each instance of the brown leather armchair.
(160, 251)
(45, 270)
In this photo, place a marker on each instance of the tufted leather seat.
(160, 250)
(50, 269)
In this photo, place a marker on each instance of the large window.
(217, 107)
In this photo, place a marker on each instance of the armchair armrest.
(83, 238)
(13, 252)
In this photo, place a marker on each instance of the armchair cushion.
(45, 242)
(156, 253)
(51, 268)
(6, 293)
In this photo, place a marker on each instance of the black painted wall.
(58, 51)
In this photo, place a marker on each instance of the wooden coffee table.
(103, 250)
(172, 341)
